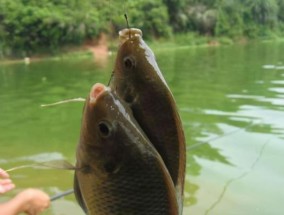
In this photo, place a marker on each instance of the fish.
(137, 79)
(117, 170)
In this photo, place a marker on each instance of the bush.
(28, 26)
(151, 17)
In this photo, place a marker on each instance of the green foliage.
(30, 25)
(202, 19)
(230, 21)
(27, 26)
(176, 14)
(229, 18)
(280, 14)
(264, 12)
(150, 16)
(225, 41)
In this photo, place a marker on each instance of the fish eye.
(129, 62)
(105, 129)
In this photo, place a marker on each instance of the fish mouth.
(127, 33)
(96, 91)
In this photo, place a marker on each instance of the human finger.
(6, 185)
(3, 174)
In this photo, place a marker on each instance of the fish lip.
(127, 33)
(96, 91)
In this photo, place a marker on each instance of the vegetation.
(27, 26)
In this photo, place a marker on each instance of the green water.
(230, 100)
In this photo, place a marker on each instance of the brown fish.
(138, 80)
(118, 171)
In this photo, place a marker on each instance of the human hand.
(34, 201)
(5, 183)
(3, 174)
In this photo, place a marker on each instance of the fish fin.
(111, 77)
(78, 194)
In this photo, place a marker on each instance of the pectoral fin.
(78, 194)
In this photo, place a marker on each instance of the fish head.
(128, 33)
(135, 65)
(98, 149)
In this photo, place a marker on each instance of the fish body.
(138, 80)
(118, 171)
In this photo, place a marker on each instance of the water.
(230, 100)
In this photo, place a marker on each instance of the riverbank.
(104, 47)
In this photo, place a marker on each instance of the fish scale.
(138, 80)
(131, 190)
(136, 181)
(111, 194)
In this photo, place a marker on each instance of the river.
(231, 101)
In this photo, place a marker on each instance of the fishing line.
(238, 178)
(125, 9)
(127, 24)
(21, 167)
(126, 19)
(111, 77)
(64, 102)
(60, 195)
(251, 124)
(55, 164)
(60, 164)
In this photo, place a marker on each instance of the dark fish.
(138, 80)
(118, 171)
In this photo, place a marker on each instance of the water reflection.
(31, 134)
(238, 112)
(231, 107)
